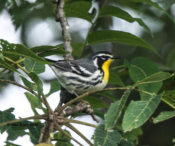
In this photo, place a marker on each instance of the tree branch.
(79, 133)
(79, 122)
(65, 133)
(23, 119)
(60, 109)
(19, 85)
(60, 16)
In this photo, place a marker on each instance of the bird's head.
(103, 59)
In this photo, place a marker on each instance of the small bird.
(79, 76)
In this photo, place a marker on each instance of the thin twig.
(18, 65)
(60, 109)
(79, 133)
(60, 16)
(19, 85)
(65, 133)
(23, 119)
(79, 122)
(44, 100)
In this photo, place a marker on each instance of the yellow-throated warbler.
(79, 76)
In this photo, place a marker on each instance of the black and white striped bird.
(79, 76)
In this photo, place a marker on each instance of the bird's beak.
(115, 57)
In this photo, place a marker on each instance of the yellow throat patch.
(105, 68)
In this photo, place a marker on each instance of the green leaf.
(138, 112)
(77, 50)
(118, 37)
(34, 132)
(8, 143)
(2, 5)
(165, 115)
(29, 84)
(5, 64)
(170, 59)
(79, 9)
(115, 110)
(20, 12)
(62, 140)
(115, 79)
(133, 135)
(34, 66)
(117, 12)
(95, 102)
(156, 77)
(17, 50)
(48, 50)
(15, 131)
(38, 83)
(155, 4)
(54, 86)
(34, 102)
(106, 138)
(141, 68)
(6, 116)
(169, 98)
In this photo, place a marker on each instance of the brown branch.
(23, 119)
(60, 109)
(60, 16)
(19, 85)
(49, 109)
(45, 132)
(79, 133)
(78, 122)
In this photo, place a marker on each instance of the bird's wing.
(83, 67)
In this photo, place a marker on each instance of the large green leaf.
(156, 77)
(79, 9)
(17, 50)
(34, 66)
(106, 138)
(169, 98)
(117, 12)
(138, 112)
(165, 115)
(115, 110)
(118, 37)
(143, 68)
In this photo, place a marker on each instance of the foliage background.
(27, 16)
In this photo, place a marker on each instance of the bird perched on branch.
(79, 76)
